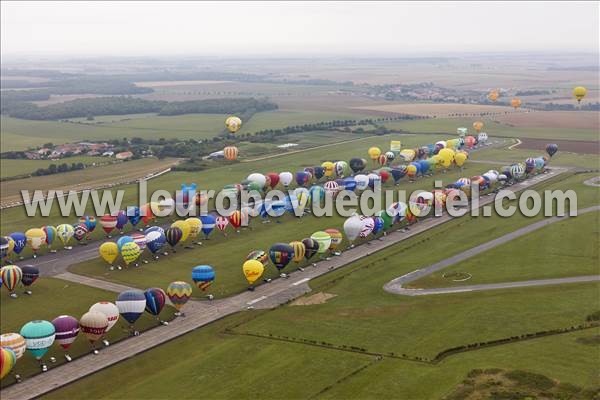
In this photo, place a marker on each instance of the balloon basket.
(95, 352)
(111, 268)
(52, 360)
(165, 323)
(28, 292)
(178, 314)
(14, 295)
(44, 368)
(68, 358)
(145, 261)
(18, 378)
(53, 251)
(251, 288)
(34, 256)
(119, 267)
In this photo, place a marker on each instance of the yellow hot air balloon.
(493, 95)
(253, 270)
(447, 156)
(195, 226)
(109, 251)
(374, 153)
(233, 124)
(515, 103)
(579, 93)
(185, 228)
(65, 232)
(8, 360)
(460, 158)
(130, 252)
(408, 155)
(35, 238)
(329, 168)
(478, 125)
(299, 250)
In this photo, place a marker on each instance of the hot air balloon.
(221, 223)
(319, 172)
(551, 149)
(493, 95)
(35, 238)
(477, 125)
(252, 270)
(173, 236)
(579, 93)
(65, 232)
(147, 213)
(323, 239)
(67, 329)
(331, 188)
(11, 276)
(336, 238)
(299, 251)
(122, 240)
(203, 276)
(272, 179)
(15, 342)
(110, 311)
(109, 251)
(281, 254)
(328, 169)
(8, 359)
(208, 224)
(108, 222)
(30, 275)
(258, 255)
(140, 240)
(235, 219)
(230, 153)
(93, 325)
(155, 301)
(367, 227)
(482, 138)
(411, 171)
(352, 227)
(515, 103)
(179, 293)
(460, 158)
(362, 181)
(39, 336)
(130, 252)
(377, 224)
(357, 164)
(302, 178)
(195, 225)
(382, 160)
(286, 178)
(185, 229)
(80, 232)
(374, 153)
(233, 124)
(131, 305)
(20, 241)
(122, 220)
(517, 171)
(155, 240)
(50, 233)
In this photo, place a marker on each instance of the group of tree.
(56, 169)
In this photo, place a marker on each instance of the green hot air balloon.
(39, 336)
(323, 239)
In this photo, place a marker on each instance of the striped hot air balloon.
(155, 300)
(323, 239)
(173, 236)
(179, 293)
(110, 310)
(50, 232)
(230, 153)
(310, 247)
(8, 359)
(15, 342)
(67, 329)
(11, 276)
(39, 336)
(331, 188)
(108, 222)
(281, 254)
(94, 325)
(221, 223)
(203, 276)
(131, 304)
(258, 255)
(299, 250)
(336, 238)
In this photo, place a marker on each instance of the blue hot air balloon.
(203, 276)
(155, 240)
(122, 240)
(208, 224)
(349, 184)
(378, 225)
(20, 241)
(133, 213)
(319, 172)
(131, 304)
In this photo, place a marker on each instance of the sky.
(295, 28)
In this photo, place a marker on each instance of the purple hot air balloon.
(122, 220)
(67, 329)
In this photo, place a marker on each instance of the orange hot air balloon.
(230, 153)
(515, 103)
(493, 95)
(478, 125)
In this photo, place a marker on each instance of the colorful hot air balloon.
(208, 224)
(258, 255)
(323, 239)
(478, 125)
(15, 342)
(515, 103)
(331, 188)
(130, 252)
(311, 247)
(80, 232)
(185, 229)
(551, 149)
(230, 153)
(39, 336)
(252, 270)
(299, 251)
(281, 254)
(579, 93)
(155, 240)
(222, 222)
(30, 275)
(20, 241)
(179, 293)
(173, 236)
(235, 219)
(122, 240)
(203, 276)
(65, 232)
(6, 247)
(108, 223)
(35, 238)
(155, 300)
(233, 124)
(382, 159)
(493, 95)
(336, 238)
(131, 304)
(11, 277)
(94, 325)
(67, 329)
(139, 239)
(8, 359)
(367, 227)
(110, 311)
(50, 233)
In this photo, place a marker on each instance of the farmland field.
(441, 109)
(10, 168)
(552, 119)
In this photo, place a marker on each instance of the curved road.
(200, 313)
(395, 285)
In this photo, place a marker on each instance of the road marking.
(301, 281)
(261, 298)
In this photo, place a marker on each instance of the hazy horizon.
(283, 29)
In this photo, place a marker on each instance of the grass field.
(535, 256)
(562, 158)
(449, 125)
(553, 119)
(85, 178)
(51, 298)
(439, 109)
(10, 168)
